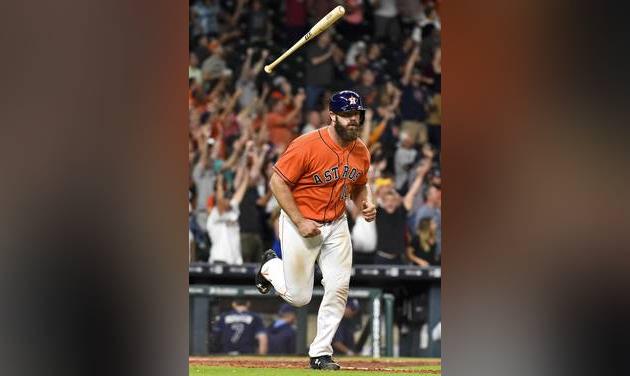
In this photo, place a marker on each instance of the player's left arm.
(362, 197)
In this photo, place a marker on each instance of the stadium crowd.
(241, 119)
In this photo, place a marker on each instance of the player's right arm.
(282, 192)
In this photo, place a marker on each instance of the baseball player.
(312, 180)
(281, 333)
(240, 331)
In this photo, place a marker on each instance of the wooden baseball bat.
(321, 25)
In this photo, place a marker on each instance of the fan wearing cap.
(312, 180)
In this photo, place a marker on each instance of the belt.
(319, 221)
(329, 222)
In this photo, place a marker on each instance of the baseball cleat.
(262, 284)
(324, 362)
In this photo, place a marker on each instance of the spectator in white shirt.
(193, 69)
(223, 227)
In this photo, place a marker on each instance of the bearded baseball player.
(312, 180)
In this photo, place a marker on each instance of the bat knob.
(268, 69)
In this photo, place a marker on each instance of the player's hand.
(368, 211)
(308, 228)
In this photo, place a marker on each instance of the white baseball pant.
(292, 277)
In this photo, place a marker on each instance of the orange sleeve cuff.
(276, 169)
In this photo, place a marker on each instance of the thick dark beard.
(346, 134)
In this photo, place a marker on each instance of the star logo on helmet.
(352, 100)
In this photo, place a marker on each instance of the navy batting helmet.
(347, 101)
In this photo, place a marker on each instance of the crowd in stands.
(241, 119)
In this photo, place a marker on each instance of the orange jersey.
(322, 173)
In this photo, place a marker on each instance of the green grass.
(216, 371)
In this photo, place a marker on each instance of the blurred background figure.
(343, 341)
(391, 222)
(207, 16)
(253, 203)
(319, 69)
(413, 101)
(240, 331)
(422, 249)
(386, 24)
(314, 121)
(281, 332)
(404, 160)
(363, 237)
(430, 208)
(436, 332)
(223, 226)
(275, 217)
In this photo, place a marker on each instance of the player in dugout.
(240, 331)
(343, 341)
(281, 332)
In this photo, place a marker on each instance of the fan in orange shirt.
(283, 119)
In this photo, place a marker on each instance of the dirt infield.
(397, 365)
